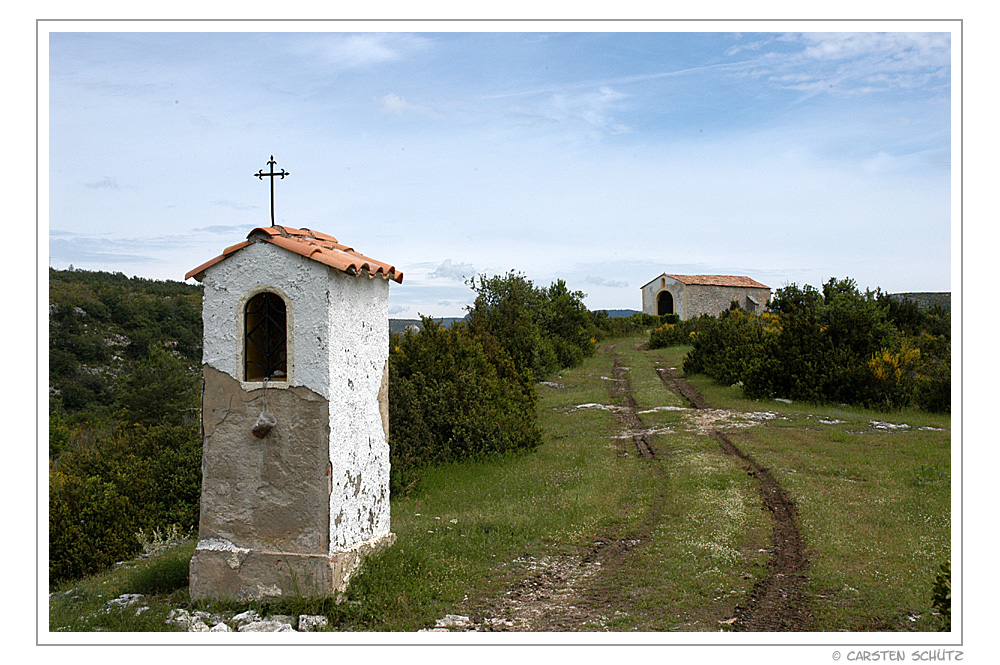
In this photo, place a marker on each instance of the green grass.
(83, 606)
(873, 509)
(874, 506)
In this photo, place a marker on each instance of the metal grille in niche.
(265, 354)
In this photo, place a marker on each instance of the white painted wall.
(338, 347)
(358, 320)
(228, 286)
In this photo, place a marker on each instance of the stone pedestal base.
(221, 570)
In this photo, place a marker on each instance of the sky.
(603, 158)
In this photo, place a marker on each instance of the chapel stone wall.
(712, 299)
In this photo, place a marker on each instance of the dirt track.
(621, 393)
(577, 593)
(777, 601)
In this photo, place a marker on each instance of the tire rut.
(613, 550)
(777, 601)
(582, 592)
(621, 392)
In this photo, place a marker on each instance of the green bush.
(541, 330)
(674, 332)
(625, 326)
(941, 594)
(933, 389)
(835, 345)
(468, 391)
(568, 325)
(513, 312)
(113, 481)
(91, 526)
(163, 389)
(454, 396)
(732, 349)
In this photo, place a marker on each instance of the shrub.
(569, 325)
(624, 326)
(160, 390)
(454, 396)
(733, 350)
(941, 594)
(933, 389)
(114, 481)
(514, 313)
(90, 526)
(674, 332)
(468, 391)
(541, 330)
(894, 368)
(834, 345)
(664, 336)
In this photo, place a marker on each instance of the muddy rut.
(580, 592)
(628, 416)
(778, 601)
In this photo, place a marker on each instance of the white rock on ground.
(245, 622)
(246, 617)
(266, 627)
(311, 622)
(453, 621)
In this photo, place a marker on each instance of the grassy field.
(873, 507)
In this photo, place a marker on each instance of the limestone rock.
(453, 621)
(267, 626)
(283, 618)
(246, 617)
(311, 622)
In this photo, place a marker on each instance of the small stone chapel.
(690, 296)
(295, 418)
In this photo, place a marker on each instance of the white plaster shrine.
(297, 325)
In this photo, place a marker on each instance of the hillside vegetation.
(124, 427)
(124, 434)
(513, 541)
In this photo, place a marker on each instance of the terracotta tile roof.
(312, 245)
(719, 280)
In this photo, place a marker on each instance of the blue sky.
(600, 158)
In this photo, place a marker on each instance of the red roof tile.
(719, 280)
(312, 245)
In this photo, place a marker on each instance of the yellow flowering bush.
(837, 344)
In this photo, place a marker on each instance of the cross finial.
(260, 174)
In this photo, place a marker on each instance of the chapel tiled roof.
(719, 280)
(312, 245)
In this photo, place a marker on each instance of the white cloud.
(910, 50)
(393, 103)
(865, 63)
(355, 51)
(224, 229)
(453, 271)
(611, 283)
(594, 109)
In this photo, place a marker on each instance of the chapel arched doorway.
(664, 303)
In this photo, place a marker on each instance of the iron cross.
(260, 174)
